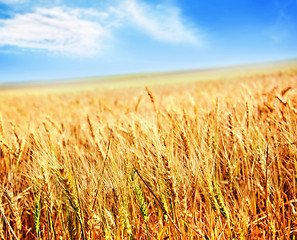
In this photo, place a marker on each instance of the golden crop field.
(198, 160)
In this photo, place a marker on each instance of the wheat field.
(200, 160)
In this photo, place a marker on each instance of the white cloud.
(57, 29)
(82, 31)
(161, 22)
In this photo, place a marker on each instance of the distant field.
(158, 78)
(182, 155)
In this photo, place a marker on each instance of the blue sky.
(43, 39)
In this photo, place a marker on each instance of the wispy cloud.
(30, 2)
(162, 22)
(284, 25)
(57, 29)
(282, 29)
(13, 1)
(82, 31)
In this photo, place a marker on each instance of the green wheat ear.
(220, 202)
(141, 202)
(37, 212)
(142, 205)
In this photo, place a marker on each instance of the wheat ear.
(70, 193)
